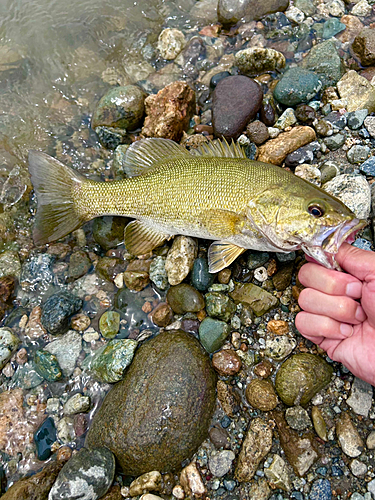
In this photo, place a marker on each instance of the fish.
(214, 192)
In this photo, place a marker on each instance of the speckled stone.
(354, 191)
(180, 259)
(110, 361)
(320, 490)
(297, 85)
(47, 366)
(174, 369)
(66, 349)
(109, 324)
(226, 362)
(219, 305)
(57, 310)
(8, 345)
(279, 347)
(350, 441)
(158, 274)
(325, 61)
(184, 298)
(261, 395)
(298, 418)
(212, 334)
(357, 91)
(277, 473)
(256, 60)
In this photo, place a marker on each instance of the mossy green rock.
(302, 376)
(184, 298)
(109, 324)
(109, 362)
(47, 366)
(201, 279)
(257, 298)
(121, 107)
(108, 231)
(219, 305)
(159, 414)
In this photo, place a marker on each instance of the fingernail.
(354, 290)
(346, 330)
(360, 314)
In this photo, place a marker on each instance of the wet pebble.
(279, 347)
(66, 349)
(108, 231)
(236, 100)
(220, 463)
(109, 324)
(212, 334)
(79, 265)
(136, 276)
(158, 274)
(257, 60)
(364, 46)
(298, 418)
(110, 361)
(275, 150)
(184, 298)
(355, 119)
(219, 437)
(201, 279)
(358, 468)
(27, 377)
(354, 191)
(257, 298)
(226, 362)
(57, 310)
(8, 345)
(219, 305)
(87, 475)
(170, 43)
(368, 167)
(47, 366)
(80, 322)
(180, 259)
(162, 315)
(192, 482)
(261, 395)
(297, 85)
(65, 430)
(77, 404)
(320, 490)
(257, 132)
(350, 441)
(357, 92)
(277, 473)
(360, 398)
(44, 438)
(150, 481)
(319, 423)
(108, 268)
(358, 153)
(10, 264)
(256, 259)
(324, 60)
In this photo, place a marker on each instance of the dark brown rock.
(264, 369)
(170, 371)
(257, 132)
(226, 362)
(227, 398)
(219, 437)
(162, 315)
(236, 101)
(7, 284)
(283, 277)
(364, 46)
(35, 487)
(231, 11)
(169, 111)
(114, 493)
(136, 276)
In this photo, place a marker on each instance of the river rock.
(7, 286)
(150, 481)
(109, 324)
(170, 43)
(192, 482)
(201, 279)
(79, 265)
(321, 490)
(298, 418)
(219, 305)
(10, 264)
(226, 362)
(213, 333)
(299, 451)
(257, 60)
(297, 85)
(360, 398)
(348, 436)
(302, 376)
(279, 347)
(319, 423)
(257, 132)
(184, 298)
(44, 438)
(277, 473)
(120, 107)
(110, 361)
(261, 395)
(276, 150)
(168, 112)
(47, 366)
(325, 61)
(236, 100)
(259, 490)
(158, 274)
(354, 191)
(256, 445)
(87, 475)
(35, 487)
(66, 349)
(180, 259)
(229, 12)
(257, 298)
(77, 404)
(8, 345)
(364, 46)
(174, 369)
(108, 231)
(220, 463)
(357, 92)
(57, 310)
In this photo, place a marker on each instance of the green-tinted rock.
(212, 334)
(219, 305)
(319, 423)
(301, 377)
(47, 366)
(331, 27)
(307, 7)
(79, 265)
(108, 231)
(201, 279)
(121, 107)
(160, 413)
(8, 344)
(324, 60)
(109, 267)
(297, 85)
(109, 324)
(257, 259)
(258, 299)
(109, 362)
(10, 264)
(111, 137)
(119, 157)
(26, 377)
(184, 298)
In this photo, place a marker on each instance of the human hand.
(339, 310)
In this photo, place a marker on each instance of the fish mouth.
(325, 246)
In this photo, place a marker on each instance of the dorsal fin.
(221, 149)
(145, 155)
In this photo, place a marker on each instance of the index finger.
(329, 281)
(358, 262)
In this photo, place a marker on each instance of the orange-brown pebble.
(226, 362)
(64, 453)
(200, 129)
(224, 276)
(278, 327)
(162, 315)
(272, 267)
(201, 314)
(147, 307)
(296, 291)
(264, 369)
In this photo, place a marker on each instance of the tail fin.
(55, 185)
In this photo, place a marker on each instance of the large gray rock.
(229, 12)
(354, 191)
(159, 414)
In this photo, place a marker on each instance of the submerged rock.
(300, 377)
(180, 259)
(184, 298)
(170, 371)
(256, 60)
(212, 334)
(364, 46)
(257, 298)
(57, 310)
(109, 231)
(66, 349)
(8, 344)
(110, 361)
(170, 43)
(357, 92)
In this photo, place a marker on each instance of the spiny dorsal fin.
(221, 255)
(141, 238)
(145, 155)
(221, 149)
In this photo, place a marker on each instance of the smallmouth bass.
(214, 192)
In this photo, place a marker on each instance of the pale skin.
(339, 310)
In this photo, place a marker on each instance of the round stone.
(109, 324)
(201, 279)
(297, 85)
(184, 298)
(219, 305)
(170, 371)
(261, 395)
(57, 310)
(170, 43)
(256, 60)
(212, 334)
(226, 362)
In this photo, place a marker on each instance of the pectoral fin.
(141, 238)
(221, 255)
(222, 223)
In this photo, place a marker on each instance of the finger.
(330, 281)
(343, 309)
(317, 327)
(358, 262)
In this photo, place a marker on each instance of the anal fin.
(140, 238)
(221, 255)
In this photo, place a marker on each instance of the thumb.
(357, 262)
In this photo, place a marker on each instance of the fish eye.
(315, 210)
